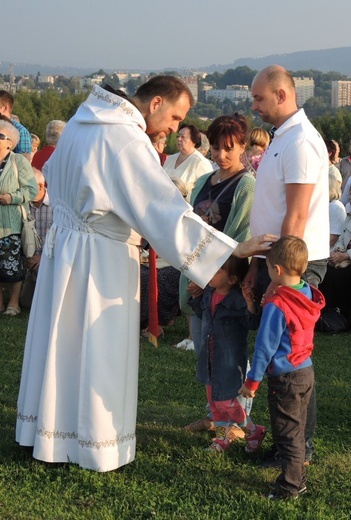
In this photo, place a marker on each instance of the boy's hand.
(245, 392)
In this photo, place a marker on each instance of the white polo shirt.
(296, 155)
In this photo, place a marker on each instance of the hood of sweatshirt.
(308, 310)
(105, 107)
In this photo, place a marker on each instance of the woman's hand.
(255, 246)
(5, 199)
(33, 263)
(338, 256)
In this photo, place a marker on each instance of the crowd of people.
(97, 190)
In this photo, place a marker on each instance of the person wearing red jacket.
(283, 350)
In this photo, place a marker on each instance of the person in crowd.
(17, 187)
(42, 212)
(222, 198)
(226, 318)
(258, 143)
(53, 133)
(159, 143)
(204, 148)
(35, 144)
(188, 164)
(283, 349)
(168, 286)
(337, 212)
(336, 283)
(336, 160)
(333, 147)
(106, 185)
(24, 145)
(291, 193)
(345, 169)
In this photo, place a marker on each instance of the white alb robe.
(78, 393)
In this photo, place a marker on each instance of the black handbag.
(331, 321)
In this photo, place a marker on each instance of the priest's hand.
(255, 246)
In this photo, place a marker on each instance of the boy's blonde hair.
(291, 253)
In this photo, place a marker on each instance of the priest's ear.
(155, 104)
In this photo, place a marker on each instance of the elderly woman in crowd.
(337, 281)
(17, 187)
(337, 211)
(53, 133)
(188, 164)
(333, 154)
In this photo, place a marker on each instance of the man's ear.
(155, 104)
(281, 96)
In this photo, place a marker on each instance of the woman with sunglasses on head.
(17, 186)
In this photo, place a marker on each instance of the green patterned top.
(22, 190)
(237, 225)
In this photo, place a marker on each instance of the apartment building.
(341, 93)
(304, 90)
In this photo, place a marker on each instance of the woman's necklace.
(221, 179)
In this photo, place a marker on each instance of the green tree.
(336, 126)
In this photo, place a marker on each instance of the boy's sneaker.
(278, 494)
(302, 490)
(254, 439)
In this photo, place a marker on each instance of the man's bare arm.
(298, 198)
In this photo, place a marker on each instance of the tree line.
(35, 110)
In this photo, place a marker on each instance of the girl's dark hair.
(331, 147)
(236, 267)
(195, 134)
(228, 127)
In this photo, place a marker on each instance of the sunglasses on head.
(4, 137)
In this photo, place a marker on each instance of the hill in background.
(327, 60)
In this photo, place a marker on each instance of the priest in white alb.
(78, 395)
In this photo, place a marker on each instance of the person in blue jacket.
(227, 315)
(283, 348)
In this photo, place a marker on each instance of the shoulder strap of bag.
(14, 165)
(235, 179)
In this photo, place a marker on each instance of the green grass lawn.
(172, 476)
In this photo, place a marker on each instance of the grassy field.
(172, 476)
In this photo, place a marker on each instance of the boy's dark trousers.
(288, 397)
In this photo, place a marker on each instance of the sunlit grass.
(172, 476)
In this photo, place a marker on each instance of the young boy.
(283, 348)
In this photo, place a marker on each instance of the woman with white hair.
(53, 133)
(17, 187)
(337, 211)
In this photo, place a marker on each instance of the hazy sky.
(155, 34)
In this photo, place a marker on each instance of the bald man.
(291, 193)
